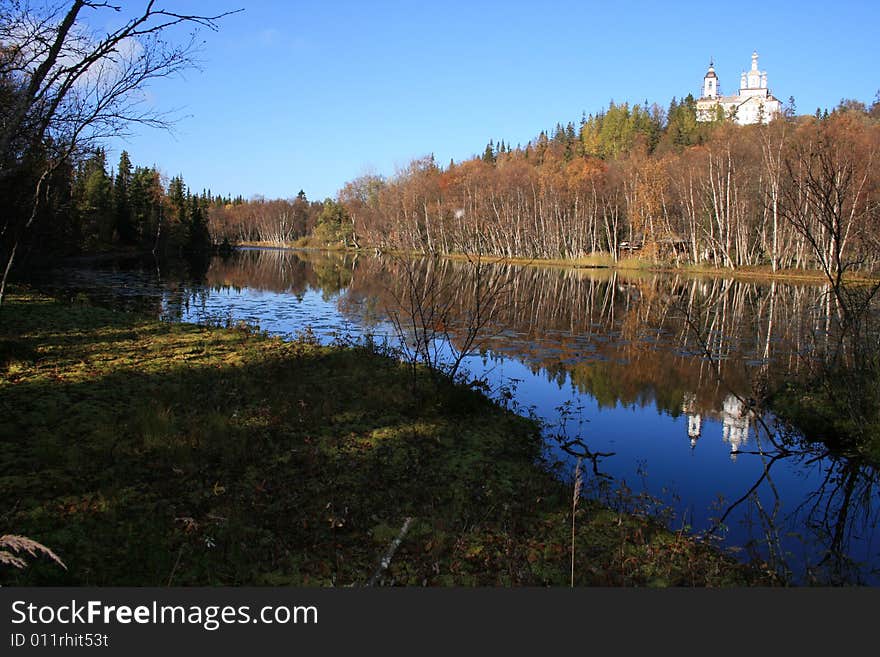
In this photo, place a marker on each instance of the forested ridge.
(638, 180)
(630, 181)
(130, 206)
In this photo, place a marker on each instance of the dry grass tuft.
(18, 544)
(575, 498)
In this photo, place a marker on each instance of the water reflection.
(668, 373)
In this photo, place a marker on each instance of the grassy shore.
(628, 264)
(147, 453)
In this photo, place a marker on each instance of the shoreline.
(598, 263)
(151, 453)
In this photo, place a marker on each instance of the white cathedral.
(753, 104)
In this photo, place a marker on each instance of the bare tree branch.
(70, 86)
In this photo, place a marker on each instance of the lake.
(655, 379)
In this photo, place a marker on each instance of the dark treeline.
(65, 89)
(131, 206)
(90, 207)
(641, 181)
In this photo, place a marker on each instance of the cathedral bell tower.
(710, 82)
(753, 79)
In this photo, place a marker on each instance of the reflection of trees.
(705, 348)
(708, 348)
(839, 513)
(840, 510)
(282, 271)
(429, 317)
(623, 338)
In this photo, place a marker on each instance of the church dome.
(711, 72)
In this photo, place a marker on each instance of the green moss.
(146, 453)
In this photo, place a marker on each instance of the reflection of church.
(695, 419)
(735, 419)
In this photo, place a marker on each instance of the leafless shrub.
(443, 315)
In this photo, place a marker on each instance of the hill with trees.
(798, 192)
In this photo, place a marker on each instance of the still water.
(656, 373)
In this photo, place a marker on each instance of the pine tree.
(123, 222)
(145, 196)
(489, 153)
(559, 134)
(198, 239)
(333, 226)
(93, 199)
(177, 197)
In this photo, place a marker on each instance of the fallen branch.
(389, 554)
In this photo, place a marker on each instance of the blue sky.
(307, 95)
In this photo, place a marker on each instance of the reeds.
(575, 498)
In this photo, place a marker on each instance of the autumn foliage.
(778, 194)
